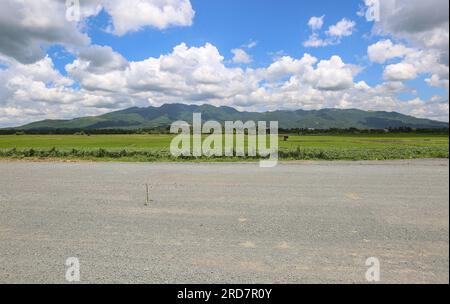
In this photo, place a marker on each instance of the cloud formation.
(316, 23)
(241, 56)
(132, 15)
(28, 28)
(188, 74)
(343, 28)
(422, 29)
(100, 79)
(333, 35)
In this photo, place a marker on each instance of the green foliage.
(298, 154)
(155, 147)
(405, 152)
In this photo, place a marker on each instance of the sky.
(64, 59)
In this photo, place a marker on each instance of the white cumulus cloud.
(316, 23)
(241, 56)
(133, 15)
(343, 28)
(332, 36)
(28, 28)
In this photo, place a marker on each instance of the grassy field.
(156, 147)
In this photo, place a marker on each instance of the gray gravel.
(305, 222)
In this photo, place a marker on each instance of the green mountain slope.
(153, 117)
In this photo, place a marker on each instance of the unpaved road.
(311, 222)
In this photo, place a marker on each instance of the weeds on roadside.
(403, 152)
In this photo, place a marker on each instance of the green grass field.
(156, 147)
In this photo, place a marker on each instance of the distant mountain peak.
(163, 116)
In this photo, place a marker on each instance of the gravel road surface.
(305, 222)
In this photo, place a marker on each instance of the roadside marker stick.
(147, 197)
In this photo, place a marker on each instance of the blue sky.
(233, 23)
(252, 54)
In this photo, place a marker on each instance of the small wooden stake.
(147, 201)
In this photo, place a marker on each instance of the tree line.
(164, 130)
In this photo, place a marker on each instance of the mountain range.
(161, 117)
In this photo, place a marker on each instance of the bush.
(404, 152)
